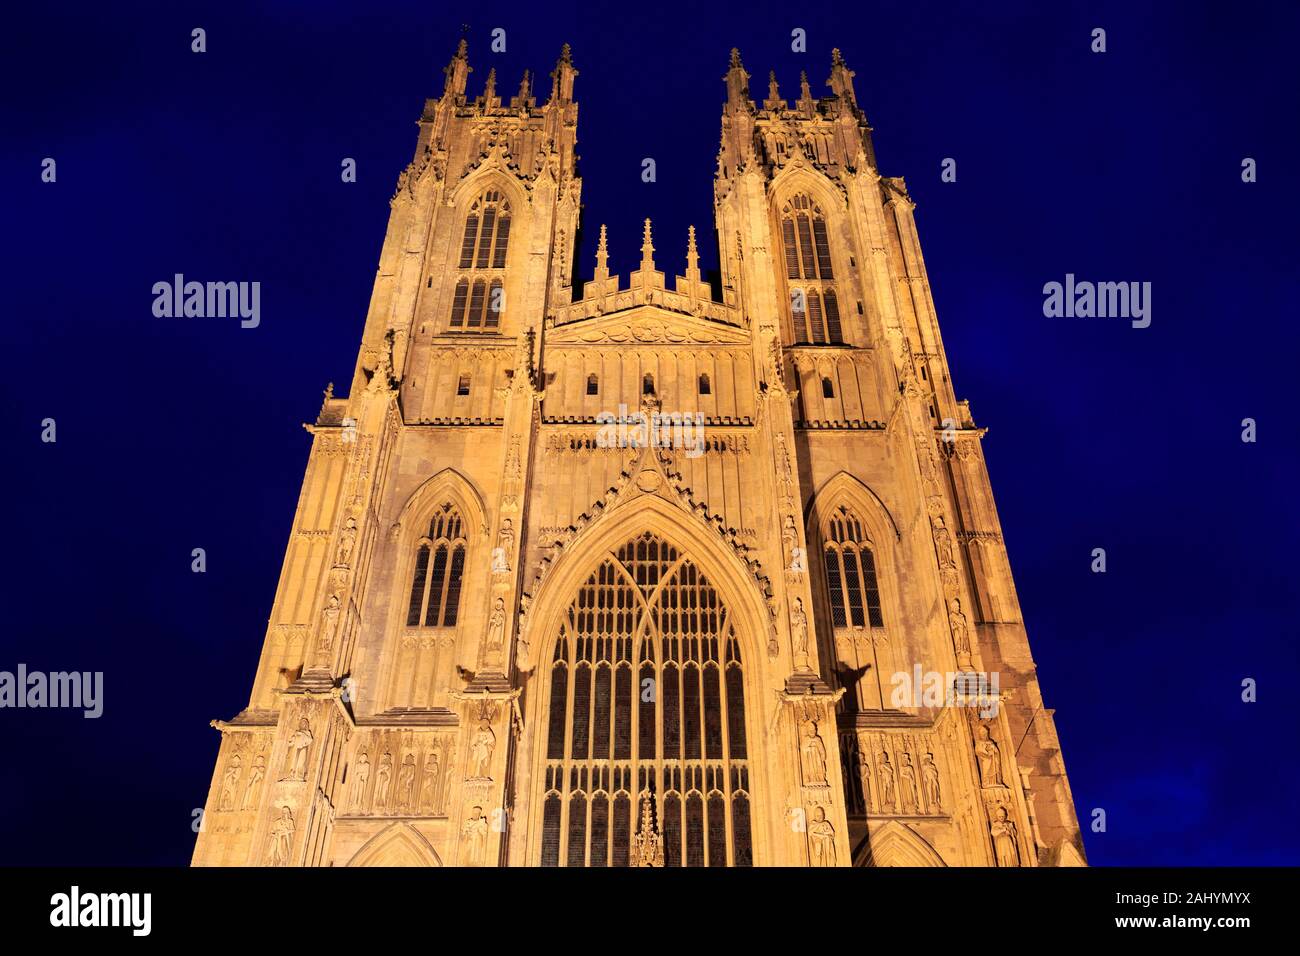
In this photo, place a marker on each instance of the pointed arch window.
(851, 573)
(645, 719)
(815, 313)
(807, 249)
(439, 567)
(487, 233)
(479, 300)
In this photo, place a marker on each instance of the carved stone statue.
(887, 794)
(254, 785)
(943, 542)
(782, 460)
(480, 750)
(799, 627)
(986, 751)
(957, 620)
(864, 777)
(497, 625)
(360, 776)
(347, 540)
(429, 785)
(406, 782)
(330, 613)
(229, 782)
(506, 542)
(1006, 848)
(299, 746)
(930, 780)
(281, 839)
(907, 784)
(383, 779)
(821, 839)
(475, 834)
(813, 752)
(790, 535)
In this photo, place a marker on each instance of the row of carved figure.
(883, 784)
(398, 785)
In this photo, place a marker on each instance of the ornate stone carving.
(990, 759)
(230, 783)
(821, 839)
(475, 833)
(1006, 842)
(280, 847)
(383, 781)
(253, 789)
(480, 750)
(300, 742)
(360, 777)
(647, 845)
(930, 782)
(406, 782)
(812, 750)
(888, 800)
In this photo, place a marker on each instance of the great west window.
(646, 709)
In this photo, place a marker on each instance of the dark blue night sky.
(175, 434)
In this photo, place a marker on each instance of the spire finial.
(692, 256)
(526, 86)
(457, 71)
(602, 256)
(841, 79)
(647, 248)
(490, 88)
(562, 76)
(773, 101)
(805, 93)
(737, 82)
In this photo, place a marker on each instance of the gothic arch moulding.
(684, 530)
(896, 845)
(844, 488)
(490, 175)
(398, 845)
(798, 177)
(446, 485)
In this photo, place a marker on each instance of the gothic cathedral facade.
(650, 573)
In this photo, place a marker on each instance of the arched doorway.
(644, 742)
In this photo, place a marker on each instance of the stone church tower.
(650, 572)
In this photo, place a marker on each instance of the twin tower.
(648, 571)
